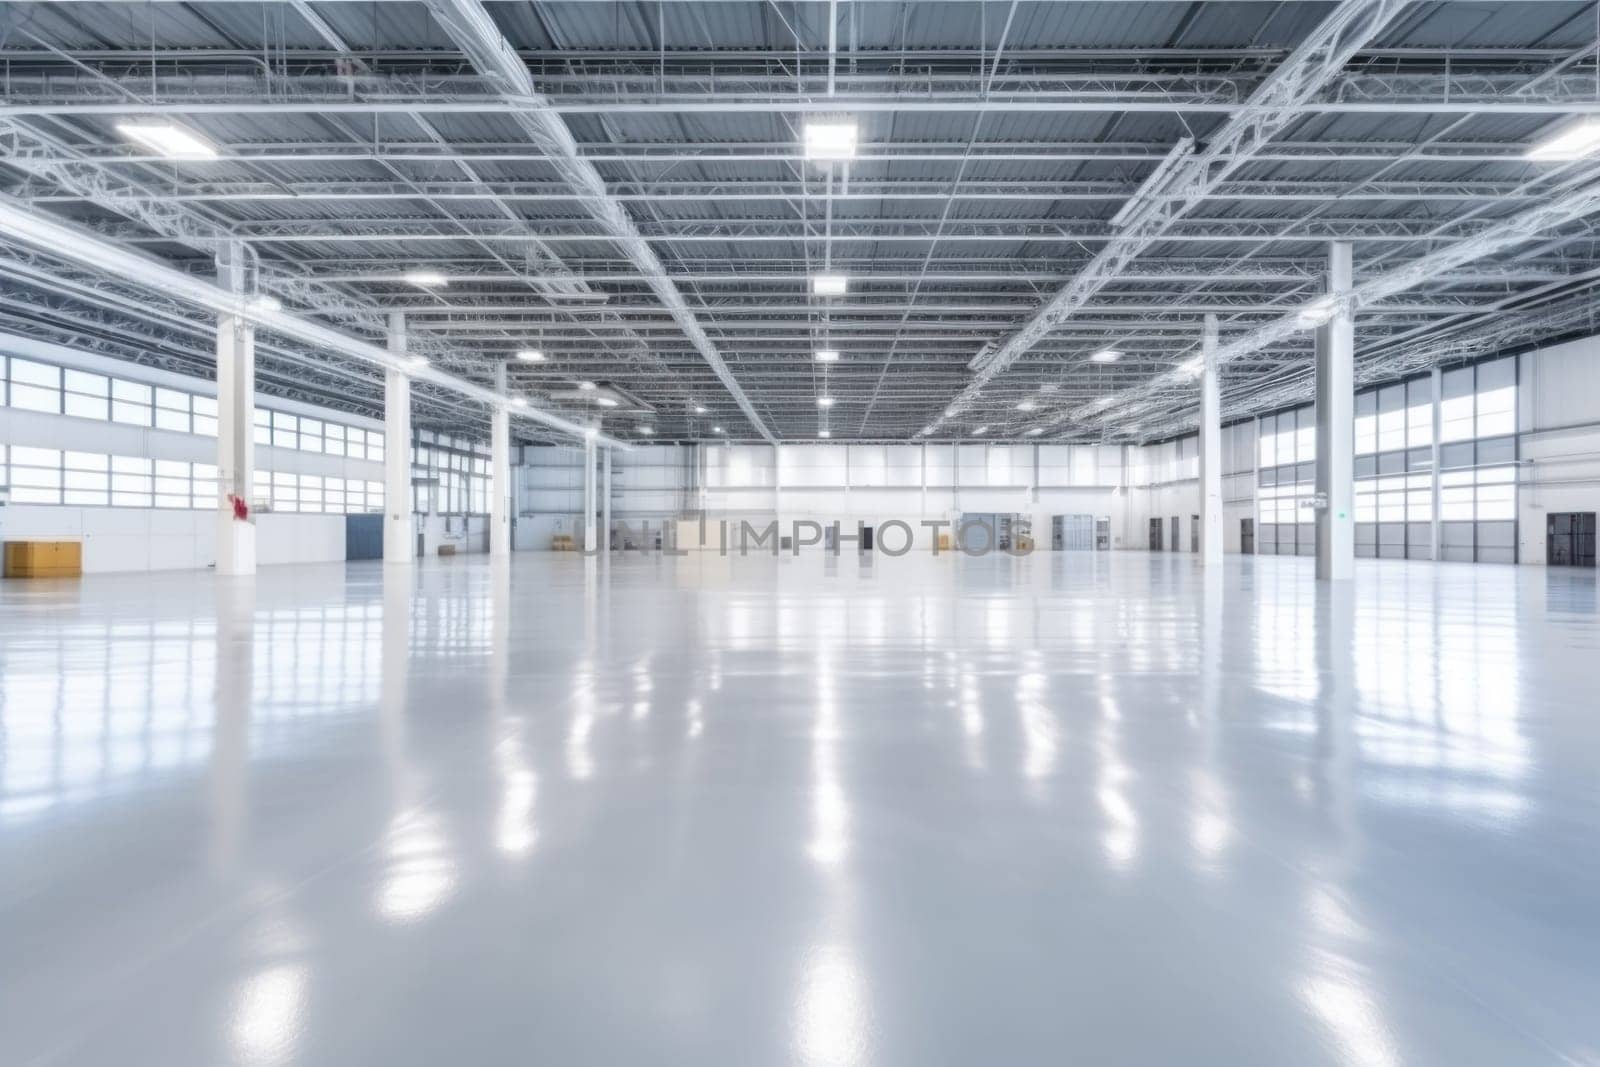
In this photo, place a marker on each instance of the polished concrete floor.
(1075, 808)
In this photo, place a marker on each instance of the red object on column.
(241, 510)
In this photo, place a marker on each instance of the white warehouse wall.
(144, 538)
(849, 483)
(1558, 419)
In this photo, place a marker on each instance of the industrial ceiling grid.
(361, 147)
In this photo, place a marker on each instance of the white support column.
(1336, 427)
(588, 495)
(398, 546)
(1435, 526)
(236, 416)
(1210, 448)
(500, 473)
(605, 500)
(777, 481)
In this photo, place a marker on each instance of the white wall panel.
(1559, 418)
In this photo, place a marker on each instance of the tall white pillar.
(1336, 427)
(398, 546)
(236, 416)
(588, 494)
(605, 501)
(1210, 448)
(777, 481)
(1436, 526)
(500, 473)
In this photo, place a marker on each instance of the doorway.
(1177, 535)
(1247, 536)
(363, 537)
(1570, 539)
(1194, 533)
(1072, 533)
(1155, 535)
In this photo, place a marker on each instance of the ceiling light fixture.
(824, 433)
(1027, 405)
(427, 279)
(170, 139)
(519, 401)
(417, 361)
(263, 302)
(605, 401)
(698, 410)
(646, 430)
(827, 141)
(829, 284)
(827, 355)
(1573, 141)
(824, 401)
(530, 355)
(1192, 366)
(980, 431)
(1105, 355)
(587, 387)
(716, 429)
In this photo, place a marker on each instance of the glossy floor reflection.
(1075, 808)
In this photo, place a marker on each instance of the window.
(203, 488)
(130, 402)
(1497, 398)
(1394, 470)
(285, 430)
(1366, 422)
(1419, 413)
(35, 386)
(86, 479)
(172, 410)
(205, 415)
(131, 482)
(35, 474)
(87, 395)
(89, 479)
(172, 484)
(1455, 407)
(1391, 418)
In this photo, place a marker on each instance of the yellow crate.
(44, 559)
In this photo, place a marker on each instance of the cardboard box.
(44, 559)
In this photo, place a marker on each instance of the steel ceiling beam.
(648, 90)
(1194, 175)
(469, 24)
(73, 243)
(399, 151)
(1574, 204)
(698, 192)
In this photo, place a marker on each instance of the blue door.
(363, 537)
